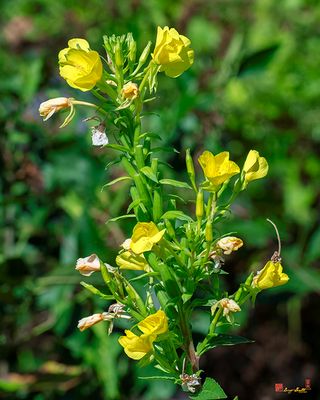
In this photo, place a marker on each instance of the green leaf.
(96, 291)
(173, 182)
(147, 171)
(211, 390)
(117, 147)
(257, 61)
(221, 339)
(120, 179)
(115, 219)
(176, 215)
(163, 377)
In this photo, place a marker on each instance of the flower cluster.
(174, 253)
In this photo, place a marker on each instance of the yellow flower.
(145, 235)
(129, 260)
(172, 51)
(229, 244)
(135, 346)
(217, 169)
(80, 66)
(154, 324)
(255, 167)
(270, 276)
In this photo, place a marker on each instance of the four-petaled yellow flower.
(255, 167)
(135, 346)
(172, 51)
(270, 276)
(144, 236)
(130, 260)
(80, 66)
(217, 169)
(154, 324)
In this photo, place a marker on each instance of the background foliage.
(255, 84)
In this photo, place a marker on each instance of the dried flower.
(88, 265)
(87, 322)
(229, 244)
(130, 91)
(228, 306)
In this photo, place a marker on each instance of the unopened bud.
(88, 265)
(190, 169)
(208, 232)
(199, 204)
(145, 54)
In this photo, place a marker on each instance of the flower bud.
(130, 91)
(88, 265)
(190, 169)
(208, 232)
(145, 54)
(199, 204)
(229, 244)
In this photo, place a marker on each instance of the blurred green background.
(255, 84)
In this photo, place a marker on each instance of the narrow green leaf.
(96, 291)
(115, 219)
(120, 179)
(163, 377)
(173, 182)
(176, 215)
(221, 339)
(117, 147)
(147, 171)
(211, 390)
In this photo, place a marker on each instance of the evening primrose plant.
(178, 256)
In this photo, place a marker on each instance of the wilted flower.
(154, 324)
(88, 265)
(80, 66)
(98, 135)
(229, 244)
(190, 383)
(270, 276)
(135, 346)
(87, 322)
(255, 167)
(228, 306)
(217, 169)
(172, 51)
(130, 260)
(130, 91)
(144, 236)
(49, 107)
